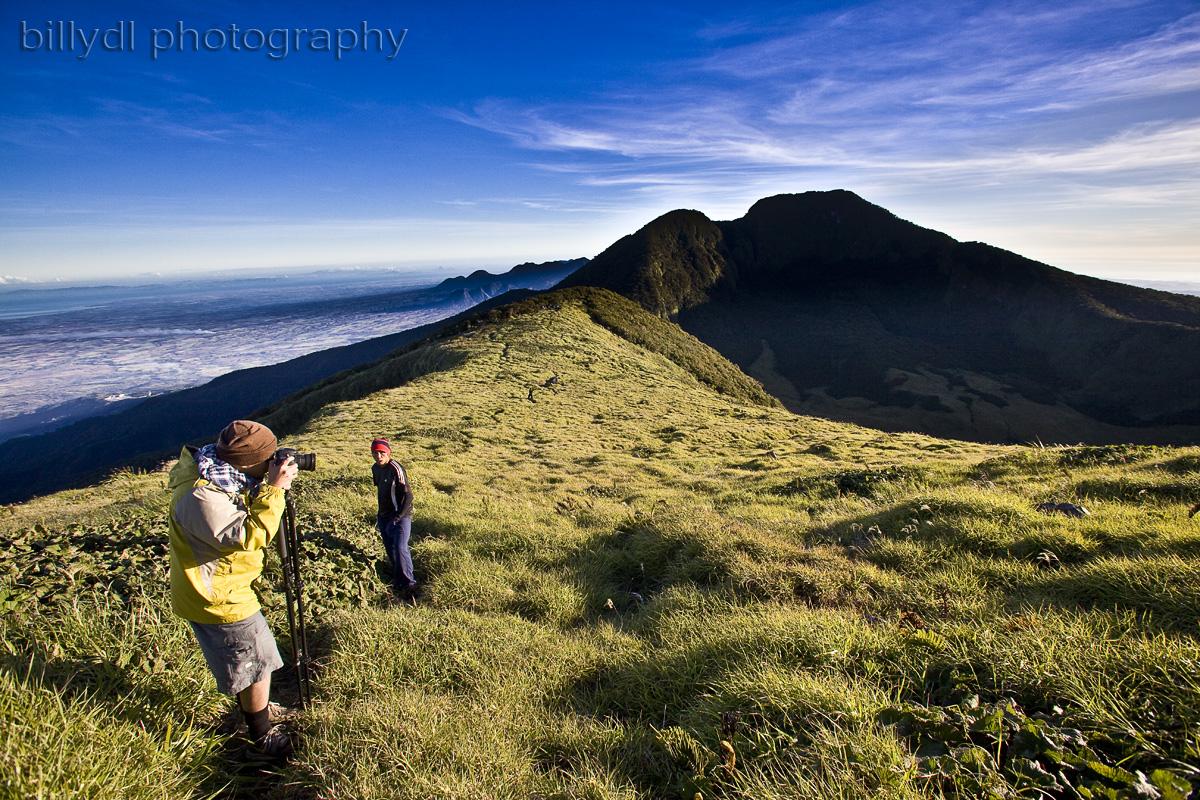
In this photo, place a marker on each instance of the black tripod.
(290, 555)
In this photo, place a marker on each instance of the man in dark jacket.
(394, 519)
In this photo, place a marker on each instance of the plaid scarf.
(224, 476)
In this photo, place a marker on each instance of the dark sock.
(259, 722)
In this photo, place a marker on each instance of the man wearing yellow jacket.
(227, 500)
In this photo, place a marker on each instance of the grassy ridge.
(639, 587)
(608, 309)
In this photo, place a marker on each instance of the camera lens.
(304, 461)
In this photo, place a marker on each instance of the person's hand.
(281, 474)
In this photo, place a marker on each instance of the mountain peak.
(831, 236)
(831, 198)
(677, 260)
(668, 264)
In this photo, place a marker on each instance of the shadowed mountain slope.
(844, 310)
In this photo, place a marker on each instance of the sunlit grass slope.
(641, 578)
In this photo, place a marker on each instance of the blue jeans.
(395, 532)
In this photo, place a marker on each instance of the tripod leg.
(291, 592)
(299, 631)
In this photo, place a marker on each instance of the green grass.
(642, 563)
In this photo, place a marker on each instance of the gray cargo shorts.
(238, 653)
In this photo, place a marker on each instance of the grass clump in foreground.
(637, 586)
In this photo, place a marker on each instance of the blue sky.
(509, 132)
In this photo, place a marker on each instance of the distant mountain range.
(845, 311)
(482, 285)
(144, 433)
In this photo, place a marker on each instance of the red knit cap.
(381, 446)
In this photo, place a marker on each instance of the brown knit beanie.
(244, 443)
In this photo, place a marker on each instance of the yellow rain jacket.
(217, 541)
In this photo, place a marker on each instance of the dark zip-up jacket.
(395, 495)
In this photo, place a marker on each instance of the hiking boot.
(233, 722)
(399, 600)
(406, 596)
(275, 745)
(281, 713)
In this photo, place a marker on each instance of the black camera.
(304, 461)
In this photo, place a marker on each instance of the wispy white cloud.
(1140, 147)
(863, 81)
(106, 119)
(1012, 57)
(191, 119)
(704, 143)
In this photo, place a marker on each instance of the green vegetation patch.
(634, 586)
(860, 482)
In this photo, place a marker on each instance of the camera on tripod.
(304, 461)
